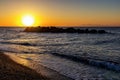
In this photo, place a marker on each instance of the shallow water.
(95, 47)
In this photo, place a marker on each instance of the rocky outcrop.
(62, 30)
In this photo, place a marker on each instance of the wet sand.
(15, 68)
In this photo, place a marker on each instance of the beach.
(11, 70)
(60, 56)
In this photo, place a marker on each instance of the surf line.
(93, 62)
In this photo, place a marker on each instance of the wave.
(107, 41)
(32, 44)
(26, 44)
(110, 65)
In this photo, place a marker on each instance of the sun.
(28, 20)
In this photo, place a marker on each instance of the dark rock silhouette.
(62, 30)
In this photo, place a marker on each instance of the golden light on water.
(28, 20)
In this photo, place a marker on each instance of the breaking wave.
(110, 65)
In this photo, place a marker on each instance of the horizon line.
(67, 26)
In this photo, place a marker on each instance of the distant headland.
(63, 30)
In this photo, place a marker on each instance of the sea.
(78, 56)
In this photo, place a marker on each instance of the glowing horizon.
(61, 12)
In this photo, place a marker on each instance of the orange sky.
(61, 12)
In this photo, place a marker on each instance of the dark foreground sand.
(11, 70)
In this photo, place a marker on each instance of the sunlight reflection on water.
(39, 47)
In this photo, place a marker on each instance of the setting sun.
(28, 20)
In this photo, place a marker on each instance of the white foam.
(72, 69)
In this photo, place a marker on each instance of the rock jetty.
(63, 30)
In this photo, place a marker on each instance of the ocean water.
(79, 56)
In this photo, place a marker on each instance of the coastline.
(15, 68)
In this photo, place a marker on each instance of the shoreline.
(15, 68)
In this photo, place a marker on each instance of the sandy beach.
(15, 68)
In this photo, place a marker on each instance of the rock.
(62, 30)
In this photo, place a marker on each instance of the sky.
(61, 12)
